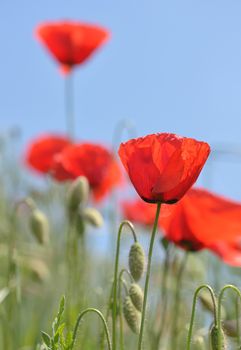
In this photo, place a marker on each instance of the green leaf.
(56, 338)
(56, 322)
(46, 338)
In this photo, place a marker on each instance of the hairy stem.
(154, 230)
(189, 337)
(81, 315)
(114, 307)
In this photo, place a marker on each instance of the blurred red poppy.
(96, 163)
(142, 213)
(162, 167)
(71, 43)
(41, 153)
(201, 220)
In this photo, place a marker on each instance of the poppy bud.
(78, 193)
(214, 339)
(132, 316)
(199, 343)
(39, 226)
(136, 261)
(93, 217)
(136, 295)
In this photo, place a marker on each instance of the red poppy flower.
(201, 220)
(162, 167)
(96, 163)
(71, 43)
(42, 151)
(142, 213)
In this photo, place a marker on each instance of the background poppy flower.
(71, 43)
(162, 167)
(41, 152)
(96, 163)
(201, 220)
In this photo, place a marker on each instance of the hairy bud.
(136, 295)
(78, 193)
(214, 339)
(136, 261)
(39, 226)
(93, 217)
(132, 316)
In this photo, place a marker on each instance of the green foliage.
(60, 338)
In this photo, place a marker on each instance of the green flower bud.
(78, 193)
(132, 316)
(39, 226)
(199, 343)
(136, 261)
(214, 339)
(136, 295)
(93, 217)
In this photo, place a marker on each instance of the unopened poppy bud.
(136, 295)
(93, 217)
(39, 226)
(132, 316)
(214, 339)
(136, 261)
(78, 193)
(199, 343)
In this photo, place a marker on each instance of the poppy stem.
(198, 290)
(163, 297)
(115, 283)
(69, 105)
(219, 320)
(176, 304)
(154, 230)
(237, 319)
(81, 315)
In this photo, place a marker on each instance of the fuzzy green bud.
(78, 193)
(39, 226)
(199, 343)
(136, 295)
(132, 315)
(92, 217)
(136, 261)
(214, 339)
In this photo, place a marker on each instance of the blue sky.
(169, 66)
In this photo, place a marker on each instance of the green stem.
(114, 308)
(102, 319)
(69, 105)
(219, 325)
(109, 306)
(154, 230)
(163, 297)
(237, 319)
(121, 281)
(189, 338)
(176, 304)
